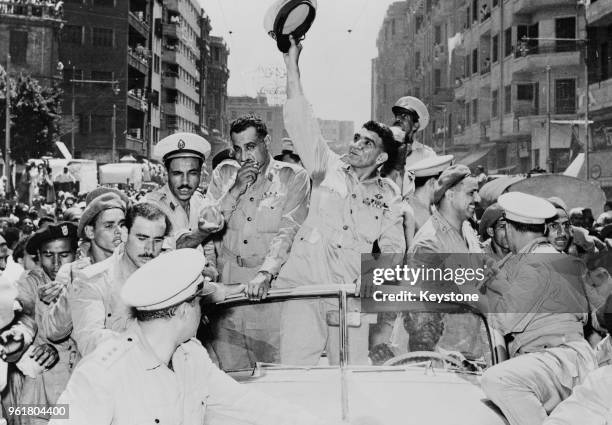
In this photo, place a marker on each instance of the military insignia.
(181, 144)
(270, 177)
(172, 206)
(64, 230)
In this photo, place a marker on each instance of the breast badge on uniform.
(376, 203)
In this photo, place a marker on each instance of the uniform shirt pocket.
(270, 212)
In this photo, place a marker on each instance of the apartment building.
(599, 18)
(216, 88)
(523, 85)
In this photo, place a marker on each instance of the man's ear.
(89, 232)
(490, 231)
(382, 158)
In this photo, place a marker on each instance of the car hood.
(382, 396)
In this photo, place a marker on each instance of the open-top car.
(419, 363)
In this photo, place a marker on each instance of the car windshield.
(306, 332)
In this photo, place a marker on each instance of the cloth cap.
(289, 17)
(527, 209)
(604, 218)
(101, 190)
(414, 104)
(449, 178)
(167, 280)
(8, 294)
(64, 230)
(103, 202)
(489, 217)
(431, 166)
(181, 145)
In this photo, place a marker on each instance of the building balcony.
(179, 110)
(12, 9)
(559, 54)
(133, 143)
(172, 31)
(443, 95)
(137, 100)
(601, 95)
(139, 23)
(138, 60)
(172, 56)
(599, 13)
(171, 80)
(530, 6)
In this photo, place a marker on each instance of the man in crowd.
(97, 310)
(351, 207)
(156, 371)
(411, 116)
(426, 173)
(55, 246)
(538, 304)
(263, 202)
(447, 231)
(492, 231)
(558, 228)
(183, 155)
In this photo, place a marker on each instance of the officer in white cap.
(156, 372)
(526, 216)
(183, 155)
(411, 116)
(426, 173)
(537, 302)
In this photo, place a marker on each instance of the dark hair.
(527, 228)
(148, 211)
(420, 181)
(390, 146)
(19, 249)
(250, 120)
(164, 313)
(11, 236)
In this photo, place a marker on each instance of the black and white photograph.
(305, 212)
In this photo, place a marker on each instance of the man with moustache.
(492, 230)
(183, 155)
(558, 228)
(264, 202)
(97, 310)
(351, 207)
(55, 246)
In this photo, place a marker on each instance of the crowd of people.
(108, 283)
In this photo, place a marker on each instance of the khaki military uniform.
(260, 227)
(346, 217)
(180, 220)
(422, 212)
(47, 387)
(95, 303)
(124, 383)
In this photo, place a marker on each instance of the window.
(507, 99)
(494, 103)
(268, 116)
(474, 61)
(156, 63)
(102, 76)
(154, 97)
(467, 113)
(437, 79)
(438, 34)
(104, 3)
(73, 74)
(467, 65)
(565, 96)
(73, 34)
(417, 59)
(474, 111)
(508, 41)
(495, 3)
(474, 10)
(102, 37)
(565, 28)
(495, 48)
(524, 92)
(18, 47)
(101, 124)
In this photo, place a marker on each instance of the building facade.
(504, 80)
(599, 18)
(216, 88)
(31, 38)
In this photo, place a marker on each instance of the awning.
(574, 169)
(474, 157)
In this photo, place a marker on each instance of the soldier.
(351, 207)
(156, 371)
(97, 310)
(447, 231)
(538, 304)
(426, 173)
(264, 202)
(183, 155)
(492, 230)
(55, 246)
